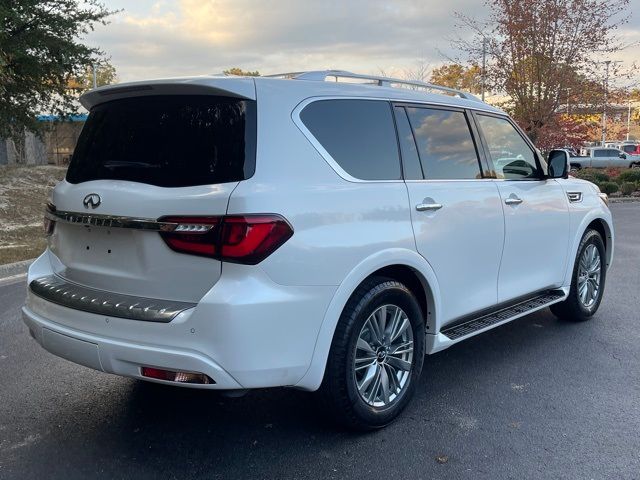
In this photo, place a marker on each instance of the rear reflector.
(246, 239)
(179, 377)
(49, 226)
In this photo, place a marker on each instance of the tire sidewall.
(394, 294)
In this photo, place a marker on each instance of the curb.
(624, 200)
(13, 269)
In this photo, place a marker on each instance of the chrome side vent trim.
(574, 197)
(57, 290)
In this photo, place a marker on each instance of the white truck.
(604, 157)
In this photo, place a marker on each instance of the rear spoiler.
(240, 87)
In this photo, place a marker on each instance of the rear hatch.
(141, 162)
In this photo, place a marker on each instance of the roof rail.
(321, 76)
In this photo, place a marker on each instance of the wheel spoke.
(373, 392)
(366, 365)
(373, 328)
(364, 345)
(393, 379)
(405, 347)
(382, 320)
(393, 325)
(400, 330)
(399, 363)
(384, 384)
(368, 378)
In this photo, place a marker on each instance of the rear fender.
(313, 377)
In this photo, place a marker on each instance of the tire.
(574, 308)
(343, 390)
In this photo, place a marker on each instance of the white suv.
(235, 233)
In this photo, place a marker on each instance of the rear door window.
(358, 134)
(167, 141)
(445, 144)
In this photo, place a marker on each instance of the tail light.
(246, 239)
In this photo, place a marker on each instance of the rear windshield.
(168, 141)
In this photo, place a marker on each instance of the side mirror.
(559, 164)
(623, 155)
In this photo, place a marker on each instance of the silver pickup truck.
(603, 157)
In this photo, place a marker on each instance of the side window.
(445, 144)
(358, 134)
(600, 153)
(410, 159)
(511, 156)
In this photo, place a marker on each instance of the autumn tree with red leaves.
(540, 49)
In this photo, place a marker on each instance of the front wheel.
(587, 283)
(376, 356)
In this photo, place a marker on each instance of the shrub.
(627, 188)
(613, 173)
(592, 175)
(632, 175)
(608, 187)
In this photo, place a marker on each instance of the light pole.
(484, 64)
(629, 119)
(606, 98)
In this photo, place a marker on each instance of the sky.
(165, 38)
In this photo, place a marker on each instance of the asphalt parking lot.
(537, 398)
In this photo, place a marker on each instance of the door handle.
(428, 207)
(513, 201)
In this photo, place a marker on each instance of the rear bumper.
(121, 357)
(246, 332)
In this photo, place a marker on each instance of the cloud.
(189, 37)
(195, 36)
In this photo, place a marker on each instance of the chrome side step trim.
(57, 290)
(519, 309)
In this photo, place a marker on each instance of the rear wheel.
(376, 356)
(587, 283)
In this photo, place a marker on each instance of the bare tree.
(420, 72)
(539, 49)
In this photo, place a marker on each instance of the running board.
(503, 315)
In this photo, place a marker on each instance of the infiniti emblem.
(92, 200)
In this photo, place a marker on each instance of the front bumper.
(246, 332)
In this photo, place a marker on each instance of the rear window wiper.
(118, 164)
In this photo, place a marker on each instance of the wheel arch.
(405, 266)
(603, 225)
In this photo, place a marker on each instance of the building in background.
(54, 147)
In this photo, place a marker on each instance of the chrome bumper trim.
(70, 295)
(113, 221)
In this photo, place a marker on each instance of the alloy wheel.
(589, 274)
(384, 356)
